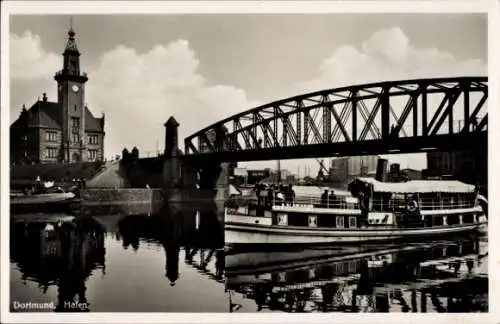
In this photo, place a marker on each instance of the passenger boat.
(372, 211)
(45, 202)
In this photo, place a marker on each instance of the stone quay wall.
(121, 195)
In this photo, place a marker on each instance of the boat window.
(438, 221)
(468, 218)
(282, 219)
(352, 221)
(313, 221)
(340, 221)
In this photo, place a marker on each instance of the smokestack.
(381, 170)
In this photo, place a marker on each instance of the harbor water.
(174, 261)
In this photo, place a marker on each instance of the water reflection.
(59, 253)
(176, 258)
(65, 254)
(440, 276)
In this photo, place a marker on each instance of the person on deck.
(270, 197)
(331, 200)
(279, 197)
(290, 195)
(483, 202)
(363, 205)
(37, 188)
(324, 199)
(414, 214)
(257, 189)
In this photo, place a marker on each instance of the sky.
(203, 68)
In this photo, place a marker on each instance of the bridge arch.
(376, 118)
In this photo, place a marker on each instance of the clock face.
(75, 88)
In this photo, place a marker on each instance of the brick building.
(64, 131)
(467, 166)
(343, 170)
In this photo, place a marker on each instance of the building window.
(75, 124)
(76, 138)
(51, 136)
(52, 153)
(93, 139)
(92, 155)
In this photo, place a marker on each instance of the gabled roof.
(41, 114)
(47, 114)
(92, 124)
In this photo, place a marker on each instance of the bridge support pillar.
(216, 177)
(190, 181)
(172, 167)
(189, 176)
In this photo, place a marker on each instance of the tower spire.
(71, 44)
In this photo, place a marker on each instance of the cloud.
(138, 92)
(28, 59)
(388, 55)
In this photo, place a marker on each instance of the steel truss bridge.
(379, 118)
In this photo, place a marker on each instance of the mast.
(279, 171)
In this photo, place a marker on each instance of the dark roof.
(47, 114)
(41, 114)
(172, 122)
(92, 124)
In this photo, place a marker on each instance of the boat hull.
(240, 233)
(62, 205)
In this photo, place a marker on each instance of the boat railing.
(422, 204)
(318, 202)
(348, 202)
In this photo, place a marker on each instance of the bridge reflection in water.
(439, 276)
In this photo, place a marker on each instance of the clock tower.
(71, 99)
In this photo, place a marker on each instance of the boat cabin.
(417, 203)
(367, 203)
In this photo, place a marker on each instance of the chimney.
(102, 120)
(381, 174)
(23, 110)
(44, 97)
